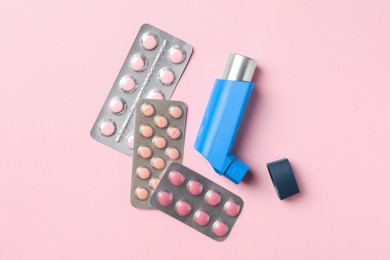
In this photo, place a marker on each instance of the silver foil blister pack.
(158, 141)
(151, 69)
(197, 202)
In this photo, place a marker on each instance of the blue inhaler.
(223, 116)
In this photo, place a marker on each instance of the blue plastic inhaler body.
(223, 115)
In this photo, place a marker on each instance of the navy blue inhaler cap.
(283, 178)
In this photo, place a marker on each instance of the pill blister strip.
(158, 141)
(197, 202)
(152, 69)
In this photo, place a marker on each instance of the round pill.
(137, 62)
(157, 163)
(107, 128)
(143, 173)
(183, 208)
(141, 193)
(147, 110)
(116, 105)
(176, 178)
(213, 198)
(176, 55)
(146, 131)
(159, 142)
(166, 76)
(231, 208)
(149, 41)
(195, 187)
(172, 153)
(144, 151)
(160, 121)
(220, 228)
(164, 198)
(155, 94)
(130, 141)
(174, 133)
(175, 112)
(201, 218)
(127, 84)
(154, 183)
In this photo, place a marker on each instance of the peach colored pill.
(166, 76)
(155, 94)
(201, 218)
(147, 110)
(146, 131)
(107, 128)
(183, 208)
(130, 141)
(141, 193)
(175, 112)
(164, 198)
(172, 153)
(174, 133)
(149, 41)
(213, 198)
(144, 151)
(195, 187)
(176, 178)
(116, 105)
(154, 183)
(160, 121)
(127, 84)
(143, 173)
(137, 62)
(157, 163)
(159, 142)
(176, 55)
(231, 208)
(220, 228)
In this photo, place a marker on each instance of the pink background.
(322, 99)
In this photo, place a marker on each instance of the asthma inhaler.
(223, 116)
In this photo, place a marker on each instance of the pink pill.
(130, 141)
(183, 208)
(155, 94)
(116, 105)
(157, 163)
(201, 218)
(176, 55)
(143, 173)
(213, 198)
(127, 84)
(176, 178)
(144, 151)
(166, 76)
(195, 187)
(174, 133)
(231, 208)
(159, 142)
(160, 121)
(220, 228)
(137, 62)
(107, 128)
(146, 131)
(154, 183)
(164, 198)
(141, 193)
(147, 110)
(175, 112)
(149, 41)
(172, 153)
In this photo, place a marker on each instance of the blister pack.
(152, 69)
(197, 201)
(158, 141)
